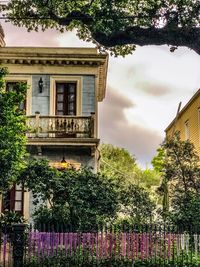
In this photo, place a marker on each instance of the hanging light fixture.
(64, 163)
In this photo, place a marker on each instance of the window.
(187, 130)
(66, 99)
(60, 89)
(13, 200)
(12, 86)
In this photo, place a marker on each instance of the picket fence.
(153, 245)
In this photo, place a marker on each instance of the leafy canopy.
(81, 198)
(117, 25)
(12, 133)
(118, 163)
(178, 163)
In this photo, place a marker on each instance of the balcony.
(53, 130)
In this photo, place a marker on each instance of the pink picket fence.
(108, 245)
(6, 250)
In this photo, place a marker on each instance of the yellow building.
(187, 122)
(65, 87)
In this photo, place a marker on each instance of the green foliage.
(42, 180)
(158, 160)
(118, 163)
(136, 185)
(181, 166)
(12, 133)
(180, 187)
(114, 25)
(79, 198)
(186, 212)
(9, 218)
(57, 216)
(79, 260)
(136, 204)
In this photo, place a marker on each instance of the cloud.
(116, 129)
(152, 88)
(71, 39)
(15, 36)
(145, 89)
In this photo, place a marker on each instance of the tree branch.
(189, 37)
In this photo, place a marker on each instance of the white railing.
(60, 126)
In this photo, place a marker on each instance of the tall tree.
(117, 25)
(136, 186)
(118, 163)
(181, 165)
(181, 180)
(12, 132)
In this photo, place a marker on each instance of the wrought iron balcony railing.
(60, 126)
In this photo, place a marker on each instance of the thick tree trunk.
(189, 37)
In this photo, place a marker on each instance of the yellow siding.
(190, 114)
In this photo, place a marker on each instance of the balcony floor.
(48, 141)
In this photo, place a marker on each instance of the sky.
(143, 89)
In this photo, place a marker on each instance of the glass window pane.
(18, 206)
(60, 106)
(10, 86)
(22, 106)
(60, 113)
(18, 187)
(72, 87)
(18, 195)
(71, 106)
(60, 97)
(71, 97)
(60, 87)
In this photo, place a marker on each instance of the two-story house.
(64, 88)
(187, 122)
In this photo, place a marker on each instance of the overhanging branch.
(189, 37)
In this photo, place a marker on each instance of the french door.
(66, 99)
(65, 105)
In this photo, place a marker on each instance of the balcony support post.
(93, 125)
(37, 123)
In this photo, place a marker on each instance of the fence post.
(18, 244)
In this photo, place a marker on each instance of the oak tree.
(117, 25)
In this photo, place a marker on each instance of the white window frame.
(28, 81)
(187, 130)
(66, 79)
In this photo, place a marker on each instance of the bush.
(67, 262)
(9, 218)
(86, 260)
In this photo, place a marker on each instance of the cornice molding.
(74, 57)
(47, 61)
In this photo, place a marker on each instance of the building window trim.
(66, 79)
(28, 80)
(187, 130)
(11, 198)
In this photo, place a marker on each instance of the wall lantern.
(64, 163)
(40, 85)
